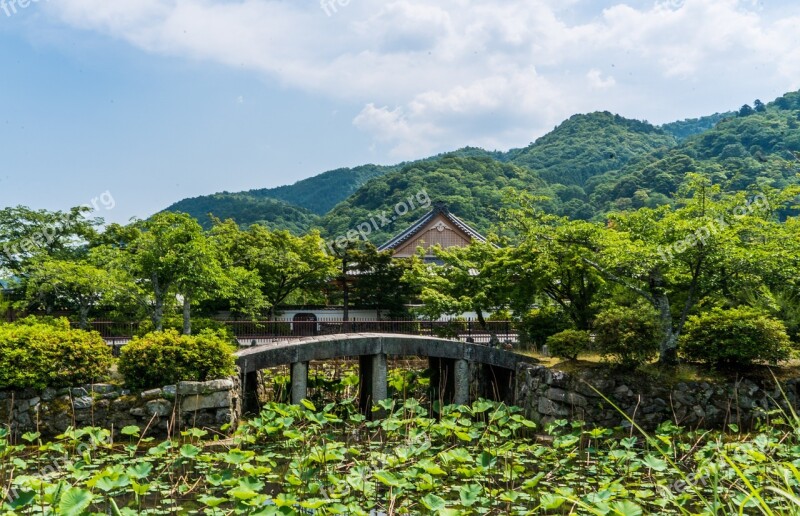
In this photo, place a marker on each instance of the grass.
(684, 372)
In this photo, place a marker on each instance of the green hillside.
(589, 145)
(247, 210)
(691, 126)
(742, 150)
(587, 166)
(470, 180)
(321, 193)
(472, 188)
(315, 195)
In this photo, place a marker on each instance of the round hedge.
(166, 358)
(735, 336)
(569, 343)
(628, 335)
(39, 353)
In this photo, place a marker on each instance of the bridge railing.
(112, 330)
(463, 330)
(118, 333)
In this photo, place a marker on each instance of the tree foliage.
(27, 234)
(462, 282)
(285, 264)
(78, 286)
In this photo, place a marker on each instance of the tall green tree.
(27, 234)
(167, 255)
(676, 257)
(462, 282)
(379, 282)
(78, 286)
(547, 263)
(285, 264)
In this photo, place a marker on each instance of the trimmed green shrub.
(38, 353)
(569, 343)
(735, 336)
(540, 323)
(166, 358)
(627, 335)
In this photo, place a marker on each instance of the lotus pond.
(482, 459)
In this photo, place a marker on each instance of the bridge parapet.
(328, 347)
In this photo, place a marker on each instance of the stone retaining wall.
(166, 410)
(547, 394)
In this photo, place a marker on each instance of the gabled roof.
(438, 209)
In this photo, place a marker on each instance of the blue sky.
(157, 100)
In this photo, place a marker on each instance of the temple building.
(437, 227)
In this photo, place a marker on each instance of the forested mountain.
(691, 126)
(589, 145)
(587, 166)
(247, 210)
(753, 147)
(318, 195)
(471, 186)
(321, 193)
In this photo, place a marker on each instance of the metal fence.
(119, 333)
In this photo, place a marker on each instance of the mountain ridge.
(588, 165)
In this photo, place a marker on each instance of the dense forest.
(268, 212)
(587, 167)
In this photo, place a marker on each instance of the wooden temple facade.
(438, 227)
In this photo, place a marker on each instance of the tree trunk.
(158, 305)
(481, 319)
(187, 315)
(668, 354)
(83, 312)
(158, 315)
(158, 312)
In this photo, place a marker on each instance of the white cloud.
(483, 72)
(597, 81)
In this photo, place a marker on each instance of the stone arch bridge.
(460, 371)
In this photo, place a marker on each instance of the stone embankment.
(162, 411)
(547, 394)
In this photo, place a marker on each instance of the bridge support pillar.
(380, 373)
(461, 382)
(450, 380)
(373, 372)
(250, 403)
(299, 382)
